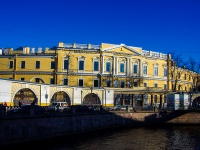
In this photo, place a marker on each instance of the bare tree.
(194, 70)
(176, 68)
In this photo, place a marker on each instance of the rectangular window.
(108, 83)
(155, 70)
(10, 64)
(156, 85)
(135, 68)
(96, 83)
(66, 64)
(23, 64)
(80, 82)
(51, 81)
(165, 72)
(81, 65)
(121, 67)
(145, 84)
(145, 70)
(37, 65)
(179, 87)
(96, 66)
(65, 82)
(122, 84)
(53, 65)
(22, 79)
(185, 77)
(135, 84)
(108, 66)
(179, 75)
(115, 83)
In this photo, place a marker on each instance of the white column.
(116, 65)
(102, 64)
(140, 67)
(130, 66)
(127, 66)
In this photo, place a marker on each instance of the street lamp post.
(46, 97)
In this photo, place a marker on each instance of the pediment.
(122, 48)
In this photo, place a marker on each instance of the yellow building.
(128, 74)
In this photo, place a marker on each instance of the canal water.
(126, 138)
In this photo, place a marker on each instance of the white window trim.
(98, 65)
(81, 58)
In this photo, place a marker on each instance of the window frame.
(65, 81)
(52, 81)
(122, 84)
(145, 67)
(165, 71)
(96, 65)
(80, 84)
(23, 64)
(81, 65)
(53, 65)
(135, 68)
(155, 70)
(122, 67)
(155, 85)
(66, 64)
(96, 83)
(108, 83)
(108, 66)
(37, 64)
(11, 64)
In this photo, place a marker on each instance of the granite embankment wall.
(28, 128)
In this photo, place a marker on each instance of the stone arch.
(25, 95)
(61, 96)
(91, 99)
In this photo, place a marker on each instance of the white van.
(57, 106)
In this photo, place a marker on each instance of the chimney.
(74, 45)
(89, 46)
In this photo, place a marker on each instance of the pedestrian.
(5, 104)
(20, 103)
(5, 108)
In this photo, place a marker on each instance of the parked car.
(117, 107)
(123, 107)
(95, 108)
(26, 109)
(57, 106)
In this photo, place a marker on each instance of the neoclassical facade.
(112, 74)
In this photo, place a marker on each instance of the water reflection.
(142, 138)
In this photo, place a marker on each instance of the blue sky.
(157, 25)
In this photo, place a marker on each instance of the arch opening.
(61, 97)
(91, 100)
(25, 96)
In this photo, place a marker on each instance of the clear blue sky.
(157, 25)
